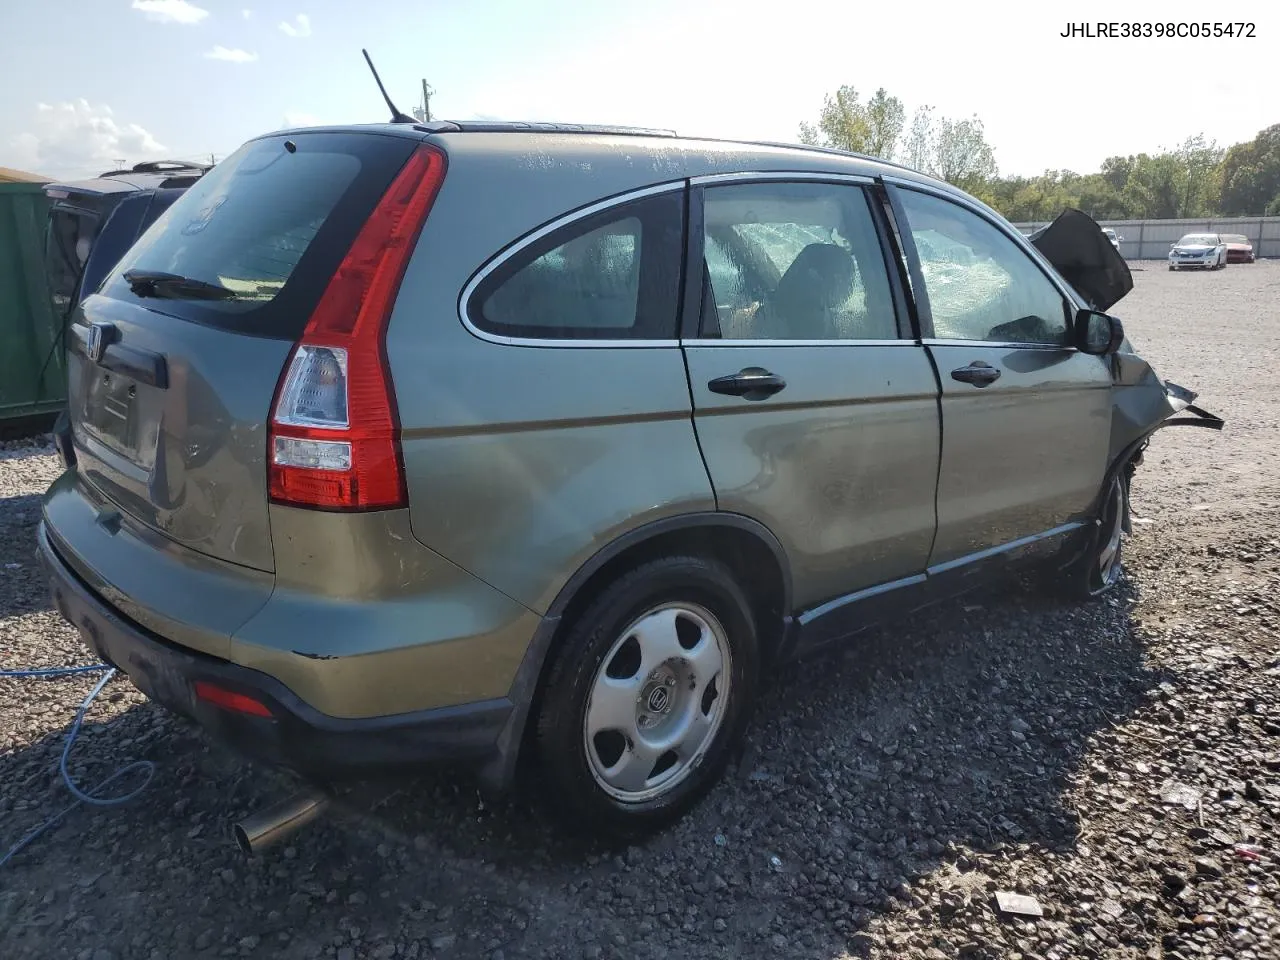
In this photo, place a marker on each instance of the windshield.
(1199, 240)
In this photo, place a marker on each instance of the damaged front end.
(1142, 403)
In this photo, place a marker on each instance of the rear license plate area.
(110, 410)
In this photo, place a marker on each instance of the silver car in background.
(1205, 250)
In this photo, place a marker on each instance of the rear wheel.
(648, 692)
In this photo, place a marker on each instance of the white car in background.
(1204, 250)
(1114, 237)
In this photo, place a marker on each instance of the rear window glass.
(265, 228)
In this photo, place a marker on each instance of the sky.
(88, 83)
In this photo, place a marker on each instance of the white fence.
(1151, 239)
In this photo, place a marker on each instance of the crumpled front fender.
(1143, 403)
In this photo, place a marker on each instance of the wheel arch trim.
(656, 528)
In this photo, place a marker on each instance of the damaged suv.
(397, 443)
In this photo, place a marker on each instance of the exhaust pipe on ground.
(260, 830)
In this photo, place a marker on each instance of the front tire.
(649, 690)
(1096, 571)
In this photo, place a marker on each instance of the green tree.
(845, 122)
(1249, 177)
(1116, 170)
(1096, 196)
(841, 124)
(885, 120)
(1198, 160)
(920, 140)
(1155, 188)
(961, 154)
(1194, 179)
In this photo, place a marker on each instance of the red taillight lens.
(230, 700)
(334, 429)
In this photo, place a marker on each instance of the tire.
(1096, 571)
(599, 770)
(1172, 268)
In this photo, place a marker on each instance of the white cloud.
(247, 13)
(170, 11)
(80, 139)
(230, 54)
(300, 27)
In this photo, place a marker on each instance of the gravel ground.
(1107, 759)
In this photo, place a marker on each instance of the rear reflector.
(334, 427)
(230, 700)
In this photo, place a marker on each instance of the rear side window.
(264, 230)
(611, 276)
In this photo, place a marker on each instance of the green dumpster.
(32, 366)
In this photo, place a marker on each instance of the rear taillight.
(334, 440)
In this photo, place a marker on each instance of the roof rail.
(835, 151)
(520, 126)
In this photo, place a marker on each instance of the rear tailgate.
(171, 382)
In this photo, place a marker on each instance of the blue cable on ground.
(55, 671)
(91, 796)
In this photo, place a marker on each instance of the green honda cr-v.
(397, 443)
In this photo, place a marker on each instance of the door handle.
(978, 373)
(752, 383)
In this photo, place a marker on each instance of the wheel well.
(747, 556)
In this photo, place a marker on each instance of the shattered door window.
(981, 285)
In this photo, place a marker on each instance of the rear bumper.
(295, 735)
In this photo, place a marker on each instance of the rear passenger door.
(1025, 417)
(815, 408)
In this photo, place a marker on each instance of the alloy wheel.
(657, 701)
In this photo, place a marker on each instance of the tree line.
(1196, 179)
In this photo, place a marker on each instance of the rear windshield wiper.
(155, 283)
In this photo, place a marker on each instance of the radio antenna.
(396, 115)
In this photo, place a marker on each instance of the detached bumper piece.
(1200, 417)
(256, 714)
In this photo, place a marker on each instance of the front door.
(815, 409)
(1026, 418)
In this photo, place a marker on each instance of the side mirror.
(1097, 334)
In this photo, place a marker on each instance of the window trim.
(693, 303)
(504, 256)
(924, 308)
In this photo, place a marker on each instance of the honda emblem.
(100, 337)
